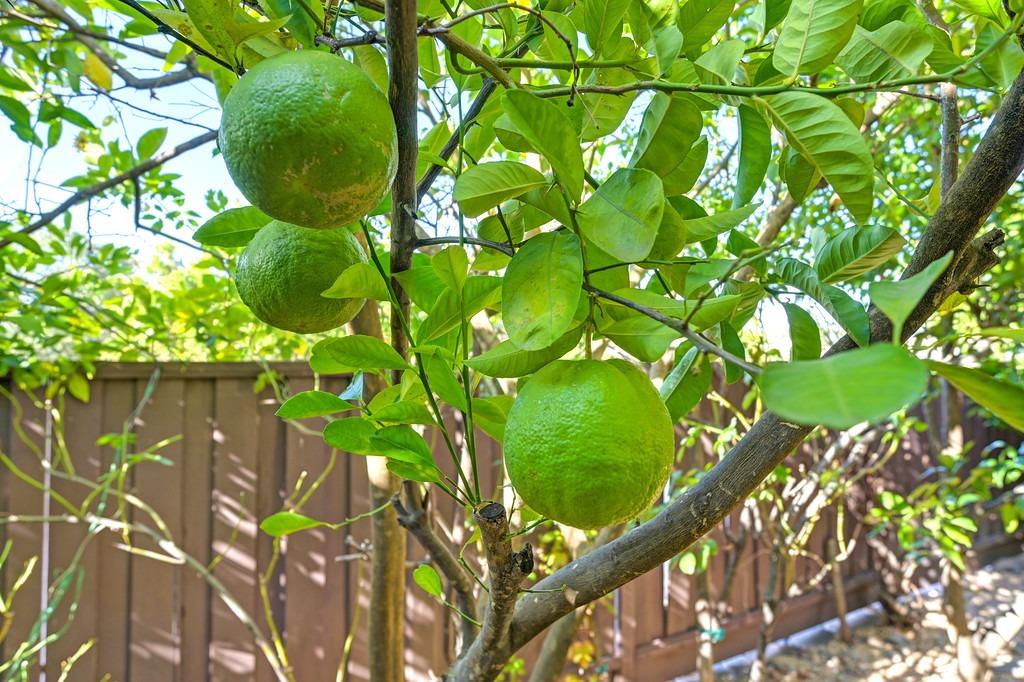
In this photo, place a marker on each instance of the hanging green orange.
(589, 443)
(309, 139)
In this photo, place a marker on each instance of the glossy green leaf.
(813, 33)
(451, 307)
(287, 522)
(403, 412)
(862, 385)
(310, 404)
(804, 335)
(755, 148)
(403, 444)
(541, 289)
(508, 360)
(896, 50)
(452, 266)
(428, 579)
(1001, 398)
(898, 299)
(363, 352)
(602, 23)
(550, 131)
(856, 251)
(699, 229)
(827, 138)
(150, 143)
(233, 227)
(622, 217)
(700, 20)
(351, 435)
(846, 311)
(687, 383)
(443, 381)
(484, 186)
(360, 280)
(670, 124)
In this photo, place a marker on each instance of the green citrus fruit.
(589, 443)
(309, 139)
(284, 269)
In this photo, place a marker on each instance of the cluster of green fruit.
(308, 139)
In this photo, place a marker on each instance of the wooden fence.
(154, 621)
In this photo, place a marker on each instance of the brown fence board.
(233, 652)
(82, 430)
(196, 516)
(113, 633)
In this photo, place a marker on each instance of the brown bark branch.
(995, 165)
(415, 518)
(87, 193)
(506, 571)
(186, 73)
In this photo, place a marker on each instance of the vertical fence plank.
(81, 431)
(233, 652)
(197, 514)
(155, 642)
(113, 632)
(27, 443)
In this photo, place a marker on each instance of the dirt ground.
(887, 653)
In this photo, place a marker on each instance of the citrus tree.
(561, 193)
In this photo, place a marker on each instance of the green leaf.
(451, 307)
(428, 579)
(541, 289)
(865, 384)
(687, 383)
(1011, 333)
(551, 133)
(423, 473)
(898, 299)
(1001, 398)
(443, 381)
(363, 352)
(896, 50)
(451, 265)
(150, 142)
(718, 65)
(699, 229)
(484, 186)
(404, 412)
(990, 9)
(287, 522)
(699, 20)
(755, 146)
(360, 280)
(602, 23)
(233, 227)
(351, 435)
(310, 404)
(856, 251)
(78, 386)
(403, 444)
(688, 563)
(670, 124)
(640, 336)
(623, 215)
(827, 138)
(804, 334)
(731, 342)
(813, 33)
(846, 311)
(509, 360)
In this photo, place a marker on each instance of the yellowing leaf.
(98, 72)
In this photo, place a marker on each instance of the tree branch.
(995, 165)
(186, 73)
(416, 519)
(506, 572)
(87, 193)
(698, 340)
(486, 243)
